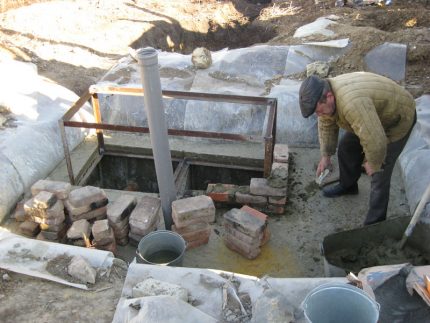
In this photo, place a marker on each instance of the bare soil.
(74, 43)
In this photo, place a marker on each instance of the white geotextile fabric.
(33, 147)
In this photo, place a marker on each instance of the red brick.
(280, 153)
(199, 231)
(19, 213)
(243, 198)
(251, 241)
(109, 247)
(266, 236)
(197, 243)
(221, 192)
(260, 186)
(276, 209)
(280, 201)
(29, 228)
(240, 247)
(254, 212)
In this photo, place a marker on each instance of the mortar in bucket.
(162, 247)
(340, 303)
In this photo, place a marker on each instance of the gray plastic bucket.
(162, 247)
(340, 303)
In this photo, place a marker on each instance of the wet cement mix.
(372, 253)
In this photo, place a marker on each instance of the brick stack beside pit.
(144, 218)
(118, 214)
(192, 217)
(268, 195)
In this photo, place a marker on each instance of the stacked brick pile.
(87, 202)
(144, 218)
(192, 217)
(245, 231)
(78, 232)
(118, 214)
(45, 213)
(265, 194)
(103, 235)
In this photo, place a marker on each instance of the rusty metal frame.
(92, 93)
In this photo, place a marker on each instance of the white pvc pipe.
(148, 62)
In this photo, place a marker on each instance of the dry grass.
(279, 9)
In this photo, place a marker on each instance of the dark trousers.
(351, 156)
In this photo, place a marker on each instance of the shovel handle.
(415, 217)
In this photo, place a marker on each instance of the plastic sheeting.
(318, 27)
(415, 158)
(33, 148)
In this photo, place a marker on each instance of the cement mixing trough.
(375, 245)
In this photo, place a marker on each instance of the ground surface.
(74, 43)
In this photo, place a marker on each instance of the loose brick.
(97, 213)
(56, 211)
(266, 236)
(245, 223)
(121, 233)
(29, 228)
(87, 195)
(259, 186)
(141, 232)
(102, 232)
(60, 189)
(276, 209)
(19, 213)
(244, 249)
(52, 227)
(76, 211)
(121, 208)
(280, 201)
(108, 247)
(44, 200)
(54, 235)
(242, 198)
(281, 153)
(49, 221)
(145, 215)
(79, 229)
(197, 243)
(193, 210)
(223, 193)
(199, 231)
(254, 212)
(251, 241)
(122, 241)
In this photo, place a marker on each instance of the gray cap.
(309, 94)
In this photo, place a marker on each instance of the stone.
(318, 68)
(145, 215)
(87, 195)
(281, 153)
(221, 192)
(60, 189)
(260, 186)
(201, 58)
(29, 228)
(44, 200)
(80, 269)
(244, 222)
(153, 287)
(97, 213)
(79, 229)
(120, 208)
(193, 210)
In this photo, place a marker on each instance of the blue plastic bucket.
(340, 303)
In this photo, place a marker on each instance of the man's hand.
(324, 163)
(368, 168)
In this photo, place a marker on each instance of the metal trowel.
(320, 179)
